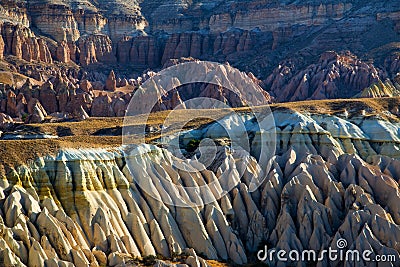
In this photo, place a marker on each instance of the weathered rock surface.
(21, 42)
(111, 82)
(253, 36)
(333, 76)
(331, 178)
(64, 94)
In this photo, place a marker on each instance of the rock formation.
(331, 178)
(63, 93)
(111, 82)
(146, 34)
(333, 76)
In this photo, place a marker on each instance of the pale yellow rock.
(37, 256)
(240, 212)
(193, 261)
(142, 240)
(194, 232)
(158, 239)
(116, 245)
(131, 247)
(51, 262)
(217, 239)
(9, 260)
(115, 259)
(101, 257)
(48, 226)
(100, 238)
(312, 195)
(79, 258)
(17, 247)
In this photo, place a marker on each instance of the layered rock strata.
(148, 33)
(331, 178)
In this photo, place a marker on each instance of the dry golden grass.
(371, 106)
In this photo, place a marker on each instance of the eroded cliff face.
(251, 35)
(331, 178)
(67, 95)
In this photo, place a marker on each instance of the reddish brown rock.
(80, 114)
(63, 98)
(111, 82)
(144, 52)
(229, 43)
(2, 46)
(96, 48)
(101, 106)
(86, 86)
(119, 107)
(78, 100)
(48, 97)
(21, 107)
(175, 99)
(170, 47)
(124, 48)
(333, 76)
(392, 64)
(36, 111)
(11, 104)
(97, 85)
(22, 43)
(74, 51)
(183, 47)
(123, 83)
(44, 51)
(63, 52)
(26, 89)
(3, 105)
(397, 79)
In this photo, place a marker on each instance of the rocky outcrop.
(101, 106)
(218, 86)
(48, 97)
(111, 82)
(95, 48)
(65, 94)
(330, 178)
(202, 45)
(142, 51)
(149, 33)
(47, 16)
(36, 111)
(333, 76)
(63, 53)
(21, 42)
(381, 89)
